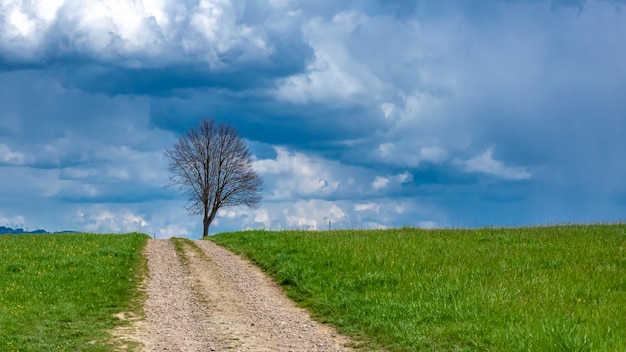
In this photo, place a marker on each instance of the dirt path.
(212, 300)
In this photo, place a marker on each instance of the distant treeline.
(9, 231)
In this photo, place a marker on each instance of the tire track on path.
(212, 300)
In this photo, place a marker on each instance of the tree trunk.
(206, 222)
(209, 219)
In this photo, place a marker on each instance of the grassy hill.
(558, 288)
(60, 292)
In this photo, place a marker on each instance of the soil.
(209, 299)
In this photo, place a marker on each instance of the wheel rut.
(201, 297)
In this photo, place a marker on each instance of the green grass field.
(558, 288)
(60, 292)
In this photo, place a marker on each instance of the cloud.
(173, 230)
(380, 182)
(161, 219)
(484, 163)
(150, 47)
(17, 221)
(404, 177)
(367, 207)
(262, 216)
(294, 174)
(334, 75)
(315, 214)
(23, 27)
(409, 153)
(104, 219)
(138, 33)
(312, 215)
(397, 212)
(9, 157)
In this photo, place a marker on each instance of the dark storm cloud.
(261, 118)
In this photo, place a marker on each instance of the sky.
(359, 114)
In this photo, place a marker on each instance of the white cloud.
(485, 163)
(216, 24)
(433, 154)
(315, 214)
(114, 26)
(17, 221)
(409, 152)
(395, 212)
(295, 175)
(25, 25)
(102, 219)
(226, 213)
(21, 23)
(299, 174)
(140, 33)
(242, 218)
(168, 219)
(388, 109)
(324, 81)
(380, 182)
(7, 156)
(386, 150)
(312, 215)
(262, 216)
(367, 207)
(173, 230)
(404, 177)
(335, 75)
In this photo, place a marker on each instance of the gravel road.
(212, 300)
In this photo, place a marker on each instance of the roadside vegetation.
(61, 292)
(556, 288)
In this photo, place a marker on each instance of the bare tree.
(212, 165)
